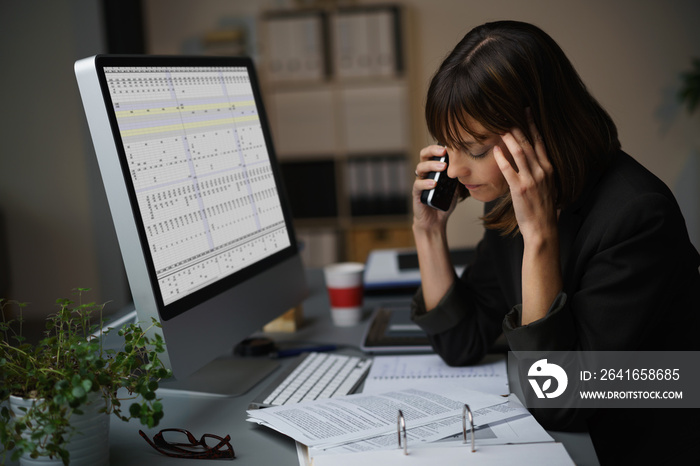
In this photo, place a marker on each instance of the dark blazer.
(631, 282)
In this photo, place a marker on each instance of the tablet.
(391, 330)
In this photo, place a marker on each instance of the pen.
(307, 349)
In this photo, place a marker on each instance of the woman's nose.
(457, 166)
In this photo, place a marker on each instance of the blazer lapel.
(569, 225)
(570, 221)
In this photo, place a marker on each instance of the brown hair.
(497, 71)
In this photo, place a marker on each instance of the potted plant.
(47, 388)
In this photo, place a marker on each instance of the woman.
(584, 249)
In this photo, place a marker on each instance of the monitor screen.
(200, 170)
(196, 195)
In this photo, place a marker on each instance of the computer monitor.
(195, 193)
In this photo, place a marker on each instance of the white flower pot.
(89, 446)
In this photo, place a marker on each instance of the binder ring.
(401, 429)
(465, 410)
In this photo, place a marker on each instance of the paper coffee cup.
(345, 291)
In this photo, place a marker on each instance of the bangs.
(456, 124)
(456, 99)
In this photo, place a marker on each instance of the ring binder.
(401, 428)
(466, 410)
(401, 425)
(448, 453)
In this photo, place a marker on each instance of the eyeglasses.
(171, 442)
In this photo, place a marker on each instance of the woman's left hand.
(531, 181)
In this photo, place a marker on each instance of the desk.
(255, 445)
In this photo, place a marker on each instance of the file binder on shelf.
(296, 46)
(367, 41)
(377, 185)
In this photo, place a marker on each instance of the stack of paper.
(344, 420)
(428, 370)
(362, 428)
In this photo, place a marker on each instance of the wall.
(629, 53)
(56, 222)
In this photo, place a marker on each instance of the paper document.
(521, 428)
(435, 431)
(500, 424)
(335, 421)
(392, 372)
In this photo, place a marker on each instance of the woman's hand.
(425, 217)
(429, 232)
(531, 182)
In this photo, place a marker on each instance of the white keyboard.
(317, 375)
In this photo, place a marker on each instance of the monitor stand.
(229, 375)
(225, 376)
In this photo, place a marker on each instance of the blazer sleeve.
(629, 280)
(467, 320)
(636, 289)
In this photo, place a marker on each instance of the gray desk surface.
(255, 445)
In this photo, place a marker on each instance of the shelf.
(341, 135)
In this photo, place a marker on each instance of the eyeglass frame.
(162, 446)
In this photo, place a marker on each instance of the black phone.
(440, 197)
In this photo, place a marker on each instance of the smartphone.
(440, 197)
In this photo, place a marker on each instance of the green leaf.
(78, 392)
(65, 457)
(62, 385)
(87, 384)
(135, 410)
